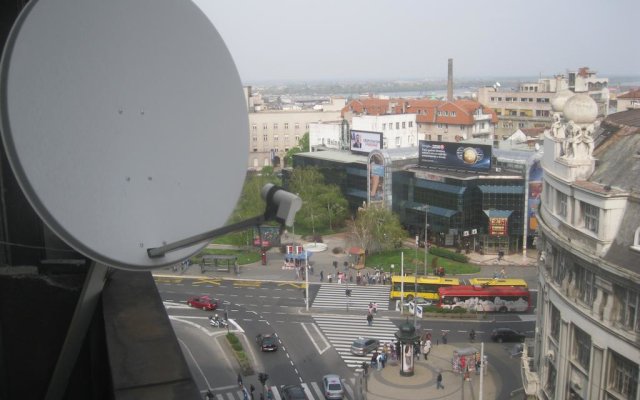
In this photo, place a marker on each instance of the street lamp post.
(426, 242)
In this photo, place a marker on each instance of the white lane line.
(327, 345)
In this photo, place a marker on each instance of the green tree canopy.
(375, 228)
(324, 207)
(303, 146)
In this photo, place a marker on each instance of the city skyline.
(286, 40)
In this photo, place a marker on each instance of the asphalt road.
(305, 353)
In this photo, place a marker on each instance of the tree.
(375, 228)
(323, 206)
(303, 146)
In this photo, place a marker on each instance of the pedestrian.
(321, 275)
(239, 380)
(209, 395)
(383, 358)
(252, 389)
(379, 362)
(444, 337)
(503, 274)
(369, 319)
(427, 348)
(261, 396)
(439, 384)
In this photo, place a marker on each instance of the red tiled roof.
(632, 94)
(425, 109)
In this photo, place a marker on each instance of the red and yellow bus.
(485, 298)
(426, 287)
(498, 282)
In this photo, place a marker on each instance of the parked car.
(293, 392)
(267, 342)
(363, 346)
(203, 302)
(332, 387)
(507, 335)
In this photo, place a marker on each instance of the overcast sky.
(394, 39)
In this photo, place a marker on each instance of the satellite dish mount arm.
(282, 207)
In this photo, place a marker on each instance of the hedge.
(452, 255)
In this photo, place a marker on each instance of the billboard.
(376, 177)
(467, 156)
(498, 226)
(535, 189)
(364, 141)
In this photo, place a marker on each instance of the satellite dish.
(125, 124)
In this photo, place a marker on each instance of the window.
(493, 99)
(255, 150)
(398, 141)
(591, 215)
(410, 124)
(297, 139)
(265, 137)
(585, 281)
(446, 113)
(453, 113)
(581, 351)
(286, 125)
(397, 125)
(297, 125)
(264, 126)
(628, 311)
(555, 323)
(403, 125)
(254, 127)
(384, 126)
(286, 138)
(561, 204)
(550, 384)
(636, 240)
(275, 125)
(275, 138)
(623, 376)
(439, 138)
(254, 139)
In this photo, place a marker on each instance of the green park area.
(415, 260)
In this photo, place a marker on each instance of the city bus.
(485, 298)
(427, 287)
(498, 282)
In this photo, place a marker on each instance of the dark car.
(507, 335)
(293, 392)
(203, 302)
(267, 342)
(363, 346)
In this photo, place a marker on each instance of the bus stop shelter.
(218, 263)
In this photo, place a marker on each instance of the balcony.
(482, 117)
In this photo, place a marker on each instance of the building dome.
(558, 102)
(581, 109)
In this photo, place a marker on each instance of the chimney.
(450, 81)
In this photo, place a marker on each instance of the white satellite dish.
(125, 124)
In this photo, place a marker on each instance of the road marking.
(293, 284)
(247, 284)
(327, 345)
(167, 279)
(209, 281)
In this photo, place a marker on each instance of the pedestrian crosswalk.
(333, 295)
(342, 330)
(313, 390)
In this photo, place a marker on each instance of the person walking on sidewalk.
(439, 384)
(239, 380)
(369, 319)
(321, 275)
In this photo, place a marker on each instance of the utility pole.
(306, 274)
(481, 369)
(426, 242)
(402, 282)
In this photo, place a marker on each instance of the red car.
(204, 302)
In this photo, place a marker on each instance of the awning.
(300, 256)
(498, 213)
(501, 189)
(443, 212)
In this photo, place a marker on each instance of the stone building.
(587, 342)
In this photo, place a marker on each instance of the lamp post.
(426, 242)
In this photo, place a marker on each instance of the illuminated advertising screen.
(535, 190)
(467, 156)
(498, 226)
(364, 141)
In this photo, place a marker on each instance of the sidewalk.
(388, 384)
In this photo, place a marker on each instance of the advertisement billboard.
(364, 141)
(467, 156)
(535, 190)
(498, 226)
(376, 177)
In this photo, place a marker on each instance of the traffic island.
(235, 346)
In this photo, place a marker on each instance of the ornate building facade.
(587, 342)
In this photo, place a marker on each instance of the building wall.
(398, 130)
(326, 134)
(278, 131)
(588, 330)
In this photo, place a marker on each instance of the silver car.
(332, 387)
(362, 346)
